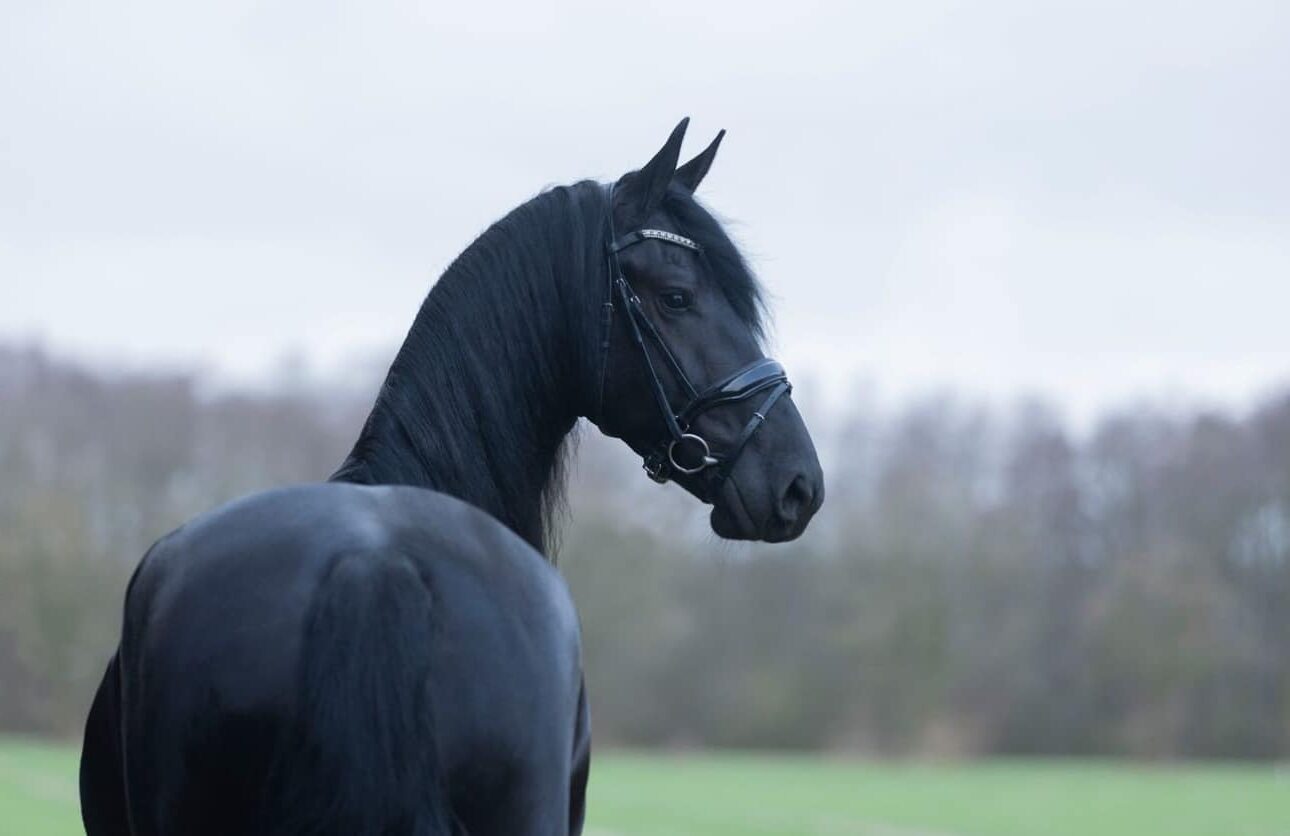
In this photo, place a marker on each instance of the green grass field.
(723, 795)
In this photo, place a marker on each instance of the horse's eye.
(677, 300)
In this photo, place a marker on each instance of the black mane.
(489, 381)
(726, 264)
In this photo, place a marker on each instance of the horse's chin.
(730, 526)
(730, 519)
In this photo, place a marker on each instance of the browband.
(656, 234)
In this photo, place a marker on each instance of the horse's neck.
(483, 439)
(481, 395)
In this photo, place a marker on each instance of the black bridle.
(684, 450)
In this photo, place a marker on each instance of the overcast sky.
(1088, 200)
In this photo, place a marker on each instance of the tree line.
(981, 580)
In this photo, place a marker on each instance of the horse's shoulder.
(468, 549)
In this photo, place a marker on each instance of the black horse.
(390, 652)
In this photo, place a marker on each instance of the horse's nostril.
(797, 497)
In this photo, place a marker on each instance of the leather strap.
(640, 235)
(728, 461)
(743, 384)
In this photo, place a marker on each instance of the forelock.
(726, 263)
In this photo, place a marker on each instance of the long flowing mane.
(490, 352)
(491, 377)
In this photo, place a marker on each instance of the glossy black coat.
(392, 653)
(342, 659)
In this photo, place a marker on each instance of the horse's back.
(327, 658)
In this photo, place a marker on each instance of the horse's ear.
(690, 175)
(639, 193)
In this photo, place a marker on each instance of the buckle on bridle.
(663, 460)
(704, 457)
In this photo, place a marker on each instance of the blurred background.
(1028, 266)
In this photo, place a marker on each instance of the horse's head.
(683, 379)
